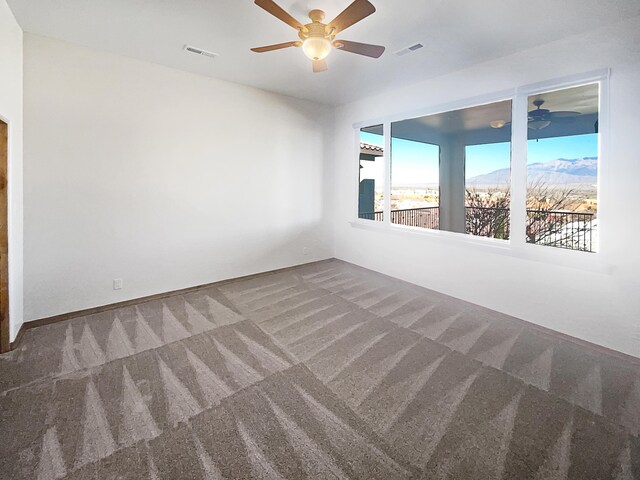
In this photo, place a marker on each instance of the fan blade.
(539, 112)
(278, 46)
(319, 66)
(277, 11)
(564, 114)
(355, 12)
(365, 49)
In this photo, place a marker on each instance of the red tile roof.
(369, 148)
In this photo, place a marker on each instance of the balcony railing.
(428, 217)
(570, 230)
(377, 216)
(490, 222)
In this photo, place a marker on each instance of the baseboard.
(158, 296)
(16, 342)
(103, 308)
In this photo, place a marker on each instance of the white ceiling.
(455, 33)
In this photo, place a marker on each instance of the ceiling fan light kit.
(316, 48)
(539, 124)
(318, 38)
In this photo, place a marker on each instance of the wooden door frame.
(5, 344)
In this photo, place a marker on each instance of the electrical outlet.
(117, 284)
(305, 251)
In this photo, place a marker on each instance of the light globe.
(316, 48)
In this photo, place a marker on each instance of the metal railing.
(570, 230)
(427, 217)
(490, 222)
(377, 216)
(562, 229)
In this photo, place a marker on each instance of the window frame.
(516, 245)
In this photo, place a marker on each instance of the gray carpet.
(324, 371)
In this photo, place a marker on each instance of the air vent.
(199, 51)
(410, 49)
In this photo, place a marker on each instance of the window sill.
(592, 262)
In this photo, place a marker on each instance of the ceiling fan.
(539, 118)
(317, 39)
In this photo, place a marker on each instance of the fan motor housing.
(316, 28)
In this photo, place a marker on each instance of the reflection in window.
(562, 169)
(371, 180)
(451, 171)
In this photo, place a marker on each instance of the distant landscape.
(579, 171)
(579, 176)
(562, 204)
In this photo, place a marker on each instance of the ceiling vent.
(410, 49)
(199, 51)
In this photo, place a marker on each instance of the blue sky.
(576, 146)
(416, 163)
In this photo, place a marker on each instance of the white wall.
(162, 178)
(11, 112)
(597, 299)
(167, 180)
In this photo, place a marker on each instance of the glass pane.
(371, 181)
(487, 189)
(562, 169)
(415, 183)
(451, 171)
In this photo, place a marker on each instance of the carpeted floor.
(324, 371)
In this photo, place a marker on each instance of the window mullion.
(519, 171)
(387, 173)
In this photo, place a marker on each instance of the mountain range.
(556, 172)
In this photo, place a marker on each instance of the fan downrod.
(317, 16)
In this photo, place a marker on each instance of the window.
(372, 172)
(562, 168)
(451, 171)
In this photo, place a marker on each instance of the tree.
(551, 216)
(552, 221)
(487, 212)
